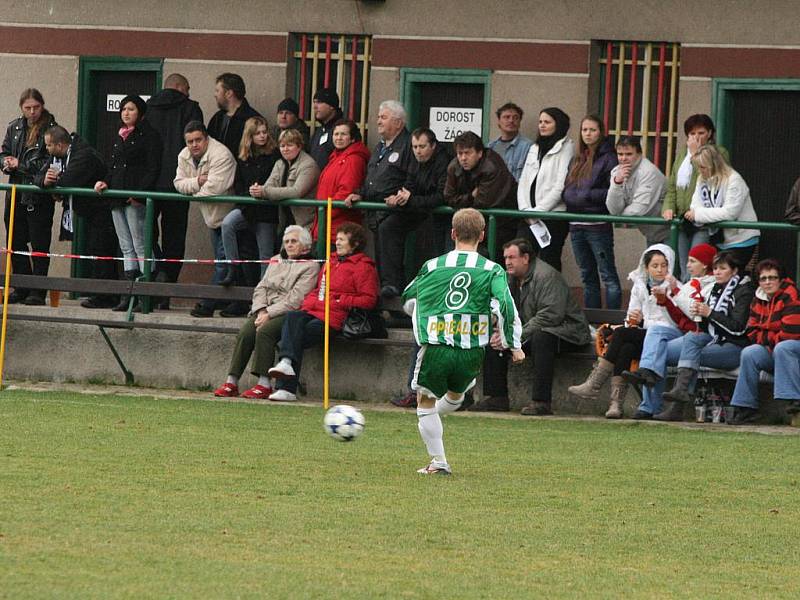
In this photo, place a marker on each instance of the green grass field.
(108, 496)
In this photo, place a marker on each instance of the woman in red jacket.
(774, 317)
(354, 284)
(343, 175)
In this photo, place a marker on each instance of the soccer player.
(451, 302)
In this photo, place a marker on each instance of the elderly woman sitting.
(353, 284)
(282, 289)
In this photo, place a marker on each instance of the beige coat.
(284, 286)
(220, 166)
(300, 183)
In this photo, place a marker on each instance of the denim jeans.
(234, 222)
(300, 331)
(220, 269)
(654, 350)
(651, 397)
(787, 370)
(753, 360)
(698, 351)
(594, 251)
(129, 225)
(685, 243)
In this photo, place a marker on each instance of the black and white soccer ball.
(344, 423)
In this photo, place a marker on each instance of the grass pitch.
(111, 496)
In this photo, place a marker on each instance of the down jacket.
(775, 319)
(549, 174)
(284, 286)
(342, 176)
(589, 195)
(354, 284)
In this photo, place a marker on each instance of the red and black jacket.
(775, 319)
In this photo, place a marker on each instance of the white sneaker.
(282, 396)
(283, 370)
(435, 468)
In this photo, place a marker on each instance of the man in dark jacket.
(168, 112)
(552, 322)
(479, 178)
(74, 163)
(22, 158)
(227, 124)
(422, 192)
(326, 112)
(288, 117)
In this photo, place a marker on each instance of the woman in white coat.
(542, 180)
(722, 195)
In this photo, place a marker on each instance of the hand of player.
(201, 179)
(517, 356)
(495, 342)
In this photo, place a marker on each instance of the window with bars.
(332, 60)
(638, 85)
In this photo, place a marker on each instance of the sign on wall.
(448, 122)
(113, 100)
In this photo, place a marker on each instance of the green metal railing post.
(147, 267)
(674, 232)
(491, 236)
(321, 229)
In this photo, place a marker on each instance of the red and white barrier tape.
(193, 261)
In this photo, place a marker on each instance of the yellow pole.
(326, 352)
(7, 282)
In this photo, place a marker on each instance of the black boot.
(232, 276)
(680, 391)
(125, 299)
(673, 413)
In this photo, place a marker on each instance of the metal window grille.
(329, 60)
(639, 95)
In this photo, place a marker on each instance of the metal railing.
(491, 214)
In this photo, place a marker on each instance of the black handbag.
(361, 324)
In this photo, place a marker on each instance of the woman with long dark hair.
(585, 191)
(542, 180)
(22, 156)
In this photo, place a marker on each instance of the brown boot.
(680, 391)
(590, 389)
(619, 389)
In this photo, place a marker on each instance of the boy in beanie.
(288, 117)
(326, 112)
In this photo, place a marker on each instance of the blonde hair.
(291, 136)
(468, 224)
(247, 149)
(709, 157)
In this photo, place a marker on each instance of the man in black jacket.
(326, 112)
(227, 124)
(168, 112)
(423, 191)
(74, 163)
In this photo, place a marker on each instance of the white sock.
(445, 405)
(264, 381)
(233, 380)
(430, 428)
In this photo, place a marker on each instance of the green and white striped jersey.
(453, 298)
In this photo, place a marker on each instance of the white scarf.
(684, 177)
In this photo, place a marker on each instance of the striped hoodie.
(775, 319)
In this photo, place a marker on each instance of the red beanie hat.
(704, 253)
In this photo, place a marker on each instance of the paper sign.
(448, 122)
(113, 100)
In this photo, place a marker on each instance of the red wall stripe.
(740, 62)
(151, 44)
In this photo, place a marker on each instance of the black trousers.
(300, 332)
(33, 224)
(542, 348)
(559, 230)
(625, 346)
(174, 219)
(101, 240)
(392, 233)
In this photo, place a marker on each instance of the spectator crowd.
(701, 308)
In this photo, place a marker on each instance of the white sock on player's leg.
(445, 404)
(232, 379)
(430, 428)
(264, 380)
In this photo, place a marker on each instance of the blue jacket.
(589, 196)
(516, 153)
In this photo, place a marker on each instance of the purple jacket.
(589, 196)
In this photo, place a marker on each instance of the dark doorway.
(764, 151)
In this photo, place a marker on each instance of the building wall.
(539, 53)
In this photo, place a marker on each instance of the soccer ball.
(344, 423)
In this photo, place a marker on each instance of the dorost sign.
(113, 100)
(448, 122)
